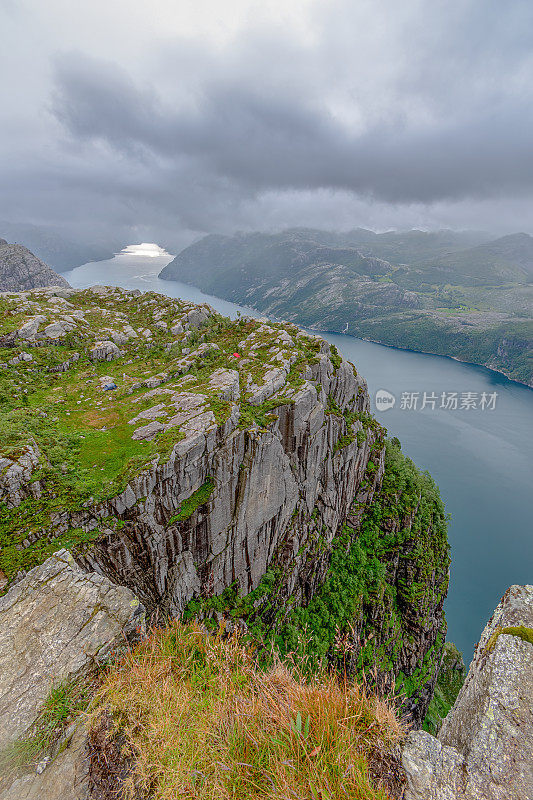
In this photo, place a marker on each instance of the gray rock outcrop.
(21, 270)
(55, 625)
(484, 750)
(64, 778)
(15, 475)
(104, 351)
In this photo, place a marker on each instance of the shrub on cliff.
(195, 717)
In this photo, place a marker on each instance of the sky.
(163, 121)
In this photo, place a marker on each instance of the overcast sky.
(167, 119)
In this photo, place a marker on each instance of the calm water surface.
(481, 459)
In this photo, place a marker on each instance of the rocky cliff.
(55, 246)
(20, 270)
(483, 750)
(58, 626)
(229, 470)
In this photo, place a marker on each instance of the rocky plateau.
(171, 458)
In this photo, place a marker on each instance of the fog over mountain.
(138, 123)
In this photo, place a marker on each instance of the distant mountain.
(443, 292)
(509, 258)
(52, 247)
(412, 247)
(218, 261)
(21, 270)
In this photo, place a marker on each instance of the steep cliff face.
(20, 269)
(257, 488)
(227, 469)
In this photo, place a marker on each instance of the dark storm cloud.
(280, 142)
(474, 139)
(381, 114)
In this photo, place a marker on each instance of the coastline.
(397, 347)
(363, 338)
(393, 346)
(437, 355)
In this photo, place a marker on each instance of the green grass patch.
(261, 414)
(197, 499)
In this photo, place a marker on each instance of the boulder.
(484, 748)
(104, 351)
(149, 431)
(118, 337)
(55, 330)
(56, 624)
(226, 383)
(30, 328)
(197, 317)
(15, 474)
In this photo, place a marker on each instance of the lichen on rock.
(483, 750)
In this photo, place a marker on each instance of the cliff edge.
(226, 470)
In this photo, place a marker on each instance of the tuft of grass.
(204, 722)
(526, 634)
(63, 703)
(335, 357)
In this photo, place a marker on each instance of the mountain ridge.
(438, 305)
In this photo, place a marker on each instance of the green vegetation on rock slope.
(451, 678)
(87, 442)
(379, 589)
(137, 430)
(450, 294)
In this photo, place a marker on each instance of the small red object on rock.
(237, 355)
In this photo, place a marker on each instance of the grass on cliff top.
(201, 721)
(87, 453)
(64, 703)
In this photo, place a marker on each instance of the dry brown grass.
(203, 722)
(95, 419)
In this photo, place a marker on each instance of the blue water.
(481, 459)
